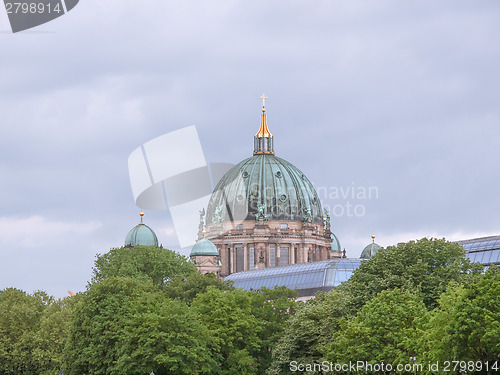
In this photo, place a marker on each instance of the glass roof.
(486, 243)
(484, 250)
(485, 257)
(326, 273)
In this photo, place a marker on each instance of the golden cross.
(264, 97)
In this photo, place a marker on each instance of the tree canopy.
(149, 309)
(424, 267)
(147, 262)
(33, 330)
(384, 330)
(125, 326)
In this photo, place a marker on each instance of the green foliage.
(475, 325)
(31, 332)
(19, 320)
(384, 330)
(98, 323)
(125, 326)
(377, 313)
(434, 342)
(187, 287)
(166, 336)
(235, 330)
(50, 339)
(425, 267)
(148, 309)
(273, 307)
(145, 262)
(466, 325)
(309, 330)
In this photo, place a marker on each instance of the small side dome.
(204, 247)
(141, 235)
(370, 249)
(335, 246)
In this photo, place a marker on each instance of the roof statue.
(327, 220)
(217, 217)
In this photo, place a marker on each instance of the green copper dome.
(264, 187)
(204, 247)
(335, 243)
(370, 250)
(141, 235)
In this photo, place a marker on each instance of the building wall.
(206, 264)
(254, 245)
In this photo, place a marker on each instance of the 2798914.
(470, 366)
(33, 8)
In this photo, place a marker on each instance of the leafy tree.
(466, 325)
(384, 330)
(433, 341)
(19, 321)
(475, 327)
(145, 262)
(50, 339)
(187, 287)
(309, 330)
(98, 324)
(166, 336)
(125, 326)
(235, 330)
(273, 307)
(425, 267)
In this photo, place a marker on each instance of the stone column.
(277, 257)
(245, 257)
(229, 260)
(268, 255)
(233, 257)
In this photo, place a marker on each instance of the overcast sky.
(399, 96)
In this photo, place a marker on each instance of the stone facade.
(207, 264)
(255, 245)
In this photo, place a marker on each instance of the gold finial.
(264, 97)
(141, 214)
(373, 238)
(263, 140)
(263, 131)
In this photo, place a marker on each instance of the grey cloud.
(402, 96)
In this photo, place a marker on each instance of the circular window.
(278, 174)
(283, 198)
(240, 198)
(245, 174)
